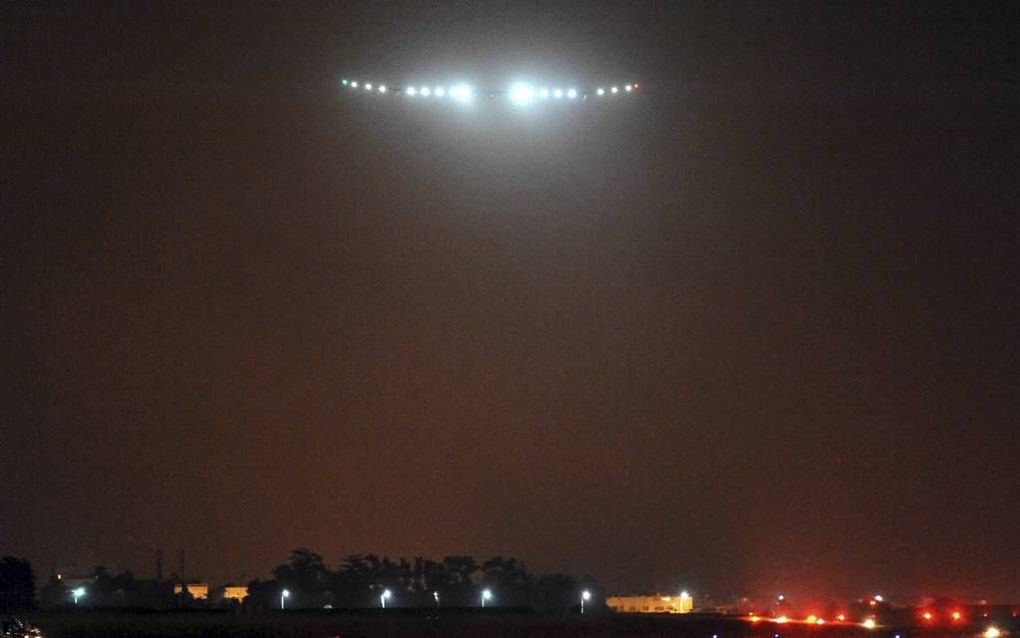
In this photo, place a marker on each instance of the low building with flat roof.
(658, 604)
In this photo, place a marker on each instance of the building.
(659, 604)
(198, 591)
(231, 593)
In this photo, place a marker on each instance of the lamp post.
(486, 595)
(585, 595)
(284, 595)
(77, 593)
(383, 596)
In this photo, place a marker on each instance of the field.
(431, 623)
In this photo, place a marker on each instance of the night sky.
(753, 330)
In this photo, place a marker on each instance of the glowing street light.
(486, 595)
(585, 595)
(435, 595)
(284, 595)
(77, 592)
(992, 632)
(382, 597)
(869, 623)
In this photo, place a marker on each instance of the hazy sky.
(754, 330)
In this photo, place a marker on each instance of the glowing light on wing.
(522, 93)
(462, 93)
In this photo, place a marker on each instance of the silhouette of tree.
(17, 584)
(306, 577)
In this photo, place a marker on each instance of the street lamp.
(435, 595)
(585, 595)
(77, 592)
(382, 597)
(284, 595)
(486, 595)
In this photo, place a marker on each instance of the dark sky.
(753, 330)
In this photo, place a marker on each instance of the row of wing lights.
(521, 93)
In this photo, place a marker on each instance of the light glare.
(382, 89)
(426, 91)
(461, 93)
(440, 91)
(601, 91)
(572, 93)
(522, 93)
(558, 93)
(412, 91)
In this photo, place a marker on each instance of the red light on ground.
(841, 617)
(956, 615)
(872, 603)
(927, 615)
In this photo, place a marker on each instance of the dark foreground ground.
(446, 623)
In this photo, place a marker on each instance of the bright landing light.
(992, 632)
(522, 93)
(461, 93)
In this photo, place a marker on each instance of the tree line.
(455, 581)
(358, 581)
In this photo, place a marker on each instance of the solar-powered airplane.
(520, 93)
